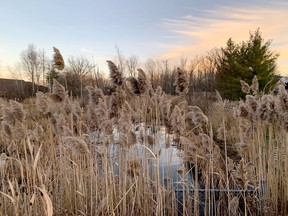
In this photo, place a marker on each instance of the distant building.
(18, 89)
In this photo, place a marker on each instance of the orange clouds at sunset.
(214, 28)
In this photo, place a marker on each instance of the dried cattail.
(59, 90)
(143, 83)
(181, 82)
(41, 103)
(115, 75)
(255, 85)
(245, 87)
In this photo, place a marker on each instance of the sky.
(157, 29)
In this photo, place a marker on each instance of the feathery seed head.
(245, 87)
(115, 75)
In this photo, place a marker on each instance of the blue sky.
(158, 29)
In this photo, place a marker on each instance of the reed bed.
(105, 156)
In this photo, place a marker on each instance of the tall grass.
(105, 157)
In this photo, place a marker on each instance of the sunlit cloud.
(213, 28)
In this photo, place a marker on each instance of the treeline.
(220, 69)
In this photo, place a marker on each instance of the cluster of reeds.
(62, 157)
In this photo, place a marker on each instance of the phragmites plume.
(58, 60)
(7, 129)
(17, 110)
(102, 110)
(245, 87)
(125, 118)
(252, 103)
(76, 144)
(143, 83)
(115, 75)
(13, 113)
(181, 82)
(283, 99)
(242, 110)
(134, 85)
(177, 120)
(197, 116)
(59, 90)
(94, 94)
(233, 206)
(221, 132)
(265, 111)
(255, 85)
(206, 140)
(41, 103)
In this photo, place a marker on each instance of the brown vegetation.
(63, 157)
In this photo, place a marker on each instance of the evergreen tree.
(242, 62)
(51, 75)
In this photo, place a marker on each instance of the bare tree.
(150, 66)
(80, 67)
(44, 65)
(30, 63)
(132, 63)
(120, 60)
(16, 71)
